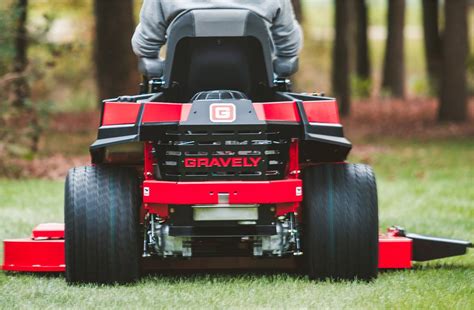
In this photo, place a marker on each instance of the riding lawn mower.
(217, 164)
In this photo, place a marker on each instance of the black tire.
(101, 216)
(340, 222)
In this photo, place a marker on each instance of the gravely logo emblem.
(222, 112)
(234, 162)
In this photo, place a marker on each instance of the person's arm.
(150, 34)
(286, 31)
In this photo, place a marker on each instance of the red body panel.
(31, 255)
(258, 192)
(277, 112)
(148, 162)
(165, 112)
(325, 111)
(43, 252)
(395, 252)
(48, 231)
(293, 172)
(120, 113)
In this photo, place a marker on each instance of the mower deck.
(44, 252)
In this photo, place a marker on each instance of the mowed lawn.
(427, 186)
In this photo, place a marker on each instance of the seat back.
(218, 49)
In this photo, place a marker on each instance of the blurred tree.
(298, 7)
(433, 49)
(394, 63)
(341, 63)
(116, 65)
(20, 128)
(363, 66)
(20, 87)
(453, 86)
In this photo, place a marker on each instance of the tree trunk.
(433, 48)
(363, 66)
(20, 87)
(453, 106)
(25, 116)
(116, 66)
(298, 7)
(341, 63)
(394, 66)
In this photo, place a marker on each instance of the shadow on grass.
(443, 266)
(173, 276)
(176, 276)
(418, 268)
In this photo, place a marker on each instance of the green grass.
(428, 186)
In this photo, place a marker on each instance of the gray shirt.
(157, 15)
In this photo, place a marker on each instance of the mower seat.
(211, 49)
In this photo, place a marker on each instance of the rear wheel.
(101, 216)
(341, 222)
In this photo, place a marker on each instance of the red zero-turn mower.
(218, 165)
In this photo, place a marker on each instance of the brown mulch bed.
(75, 122)
(54, 167)
(414, 118)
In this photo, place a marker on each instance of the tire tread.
(101, 216)
(341, 222)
